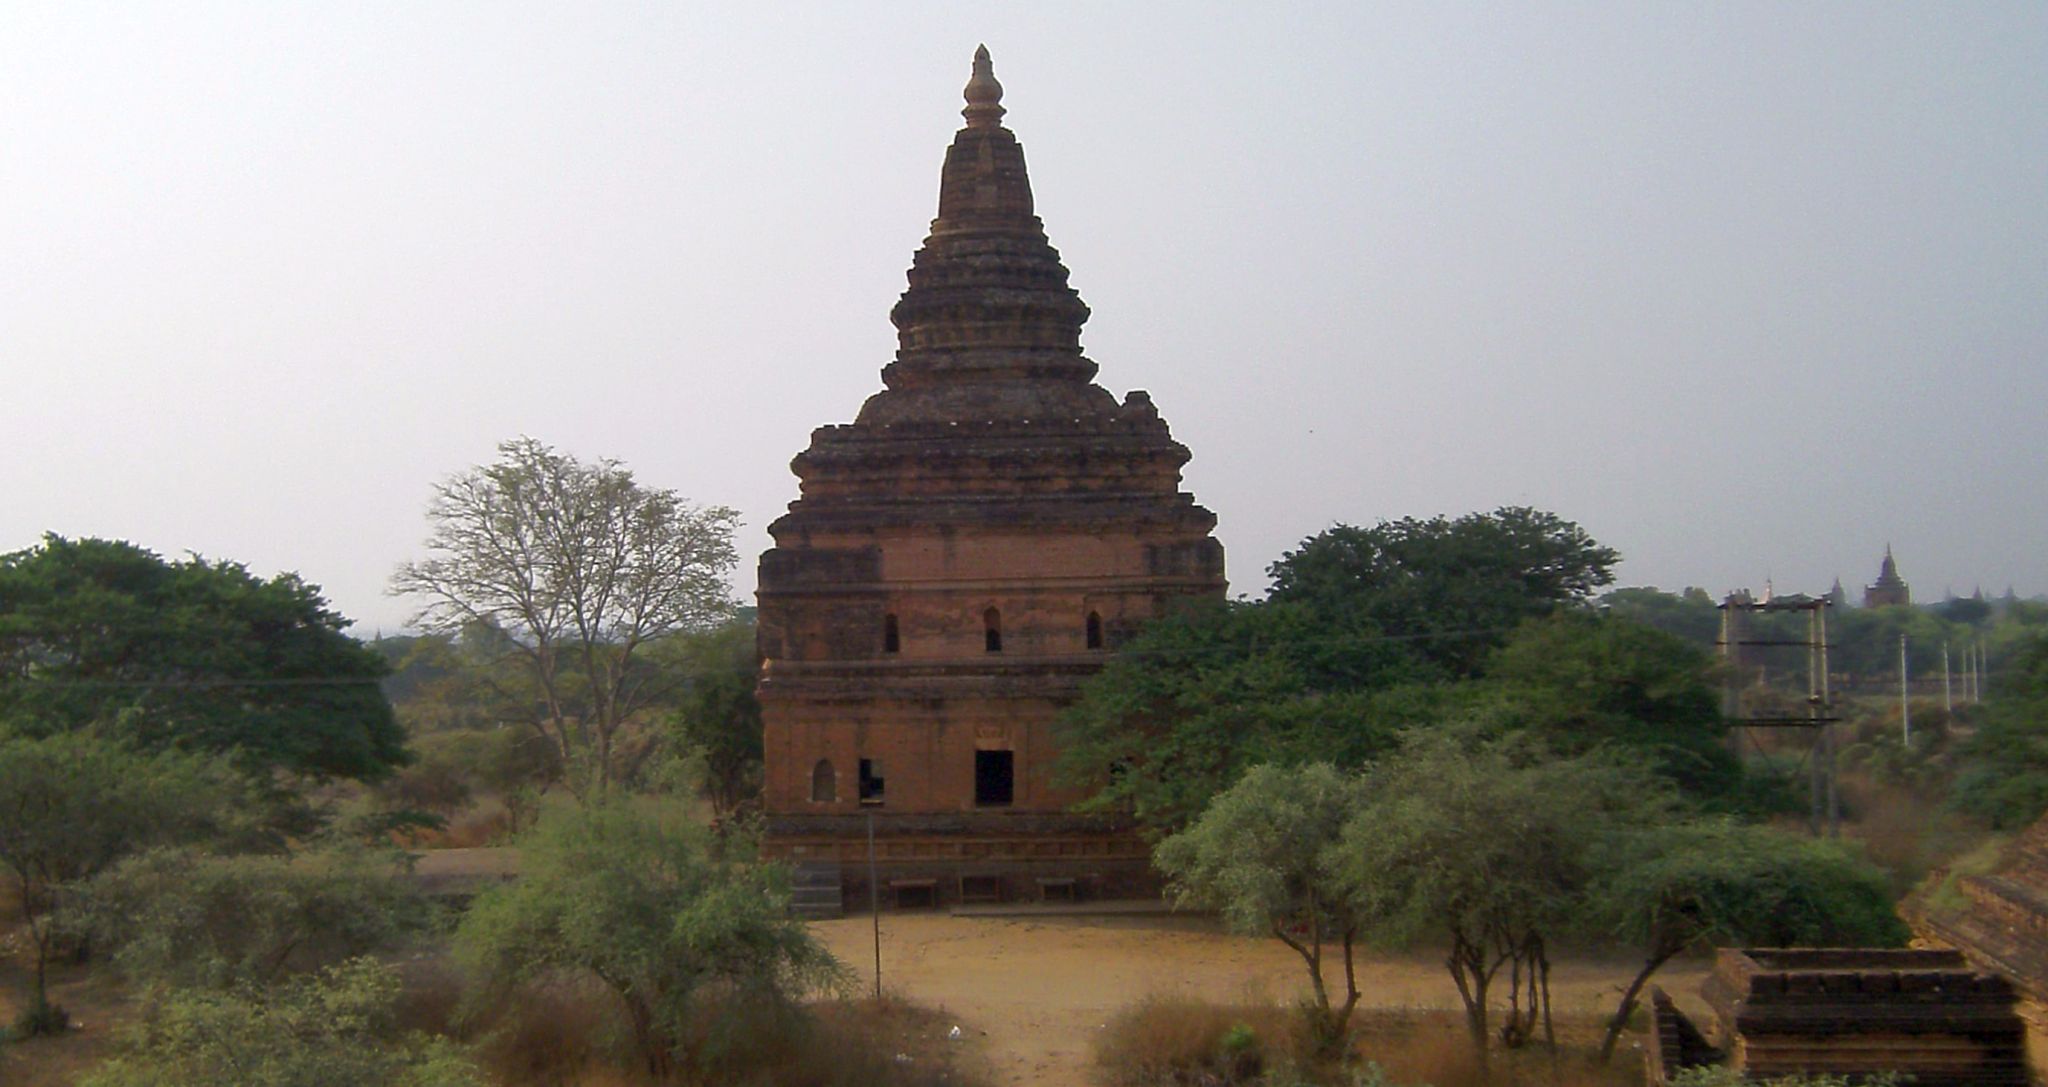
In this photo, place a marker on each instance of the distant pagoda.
(962, 556)
(1889, 589)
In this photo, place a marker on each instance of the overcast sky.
(1747, 290)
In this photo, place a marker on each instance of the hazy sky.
(1747, 290)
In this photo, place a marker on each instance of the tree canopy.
(72, 804)
(1582, 679)
(1451, 589)
(579, 567)
(1262, 856)
(2004, 774)
(1669, 888)
(652, 909)
(193, 655)
(1489, 845)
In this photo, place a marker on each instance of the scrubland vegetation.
(1429, 736)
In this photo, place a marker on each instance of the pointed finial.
(984, 94)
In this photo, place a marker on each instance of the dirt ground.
(1033, 993)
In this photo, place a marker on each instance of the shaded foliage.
(1262, 856)
(653, 909)
(71, 805)
(187, 919)
(1668, 889)
(1451, 589)
(2003, 777)
(193, 655)
(335, 1027)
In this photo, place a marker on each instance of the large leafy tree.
(651, 909)
(1203, 694)
(1581, 679)
(580, 567)
(1262, 856)
(1451, 589)
(193, 655)
(1696, 883)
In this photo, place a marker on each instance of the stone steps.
(815, 891)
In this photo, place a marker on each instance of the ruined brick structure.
(1851, 1011)
(963, 555)
(2001, 922)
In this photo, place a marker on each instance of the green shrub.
(334, 1027)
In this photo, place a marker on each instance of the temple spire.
(984, 95)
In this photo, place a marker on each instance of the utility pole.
(1905, 703)
(875, 906)
(1948, 702)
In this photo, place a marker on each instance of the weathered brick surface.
(1923, 1014)
(990, 478)
(2003, 925)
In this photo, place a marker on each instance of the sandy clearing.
(1041, 987)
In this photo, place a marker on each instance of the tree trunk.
(1629, 997)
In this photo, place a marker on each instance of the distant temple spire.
(1889, 589)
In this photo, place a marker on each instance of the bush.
(183, 918)
(335, 1027)
(1174, 1040)
(654, 909)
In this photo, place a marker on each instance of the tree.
(1690, 615)
(1261, 855)
(580, 567)
(337, 1026)
(1582, 679)
(717, 720)
(2003, 778)
(72, 804)
(1704, 882)
(193, 655)
(1490, 844)
(1202, 694)
(1451, 590)
(654, 911)
(187, 919)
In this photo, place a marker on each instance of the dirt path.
(1041, 988)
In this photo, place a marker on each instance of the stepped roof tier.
(989, 399)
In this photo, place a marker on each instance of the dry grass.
(1180, 1042)
(572, 1033)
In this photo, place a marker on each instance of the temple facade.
(966, 552)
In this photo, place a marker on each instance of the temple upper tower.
(1889, 589)
(965, 553)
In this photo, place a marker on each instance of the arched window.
(891, 641)
(992, 630)
(824, 784)
(1094, 630)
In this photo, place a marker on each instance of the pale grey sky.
(1746, 289)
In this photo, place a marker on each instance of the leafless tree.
(580, 567)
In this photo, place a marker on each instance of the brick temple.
(966, 552)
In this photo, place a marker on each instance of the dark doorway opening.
(891, 641)
(870, 781)
(992, 630)
(994, 778)
(1094, 630)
